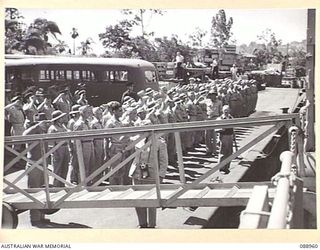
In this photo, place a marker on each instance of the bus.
(104, 79)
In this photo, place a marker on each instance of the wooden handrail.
(163, 128)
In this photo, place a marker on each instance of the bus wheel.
(9, 216)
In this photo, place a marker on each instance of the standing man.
(82, 124)
(46, 107)
(215, 69)
(226, 140)
(15, 115)
(36, 176)
(179, 60)
(98, 143)
(62, 102)
(130, 92)
(60, 157)
(214, 110)
(234, 71)
(118, 143)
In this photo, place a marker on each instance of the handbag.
(144, 168)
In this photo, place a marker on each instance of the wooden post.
(253, 217)
(310, 63)
(81, 165)
(180, 157)
(45, 171)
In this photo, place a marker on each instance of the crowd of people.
(37, 112)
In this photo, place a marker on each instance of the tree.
(167, 48)
(269, 52)
(196, 38)
(86, 46)
(144, 49)
(138, 18)
(117, 36)
(14, 31)
(221, 29)
(61, 47)
(37, 35)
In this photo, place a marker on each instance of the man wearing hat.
(60, 157)
(74, 114)
(98, 143)
(181, 116)
(35, 176)
(214, 110)
(130, 92)
(82, 100)
(30, 109)
(141, 113)
(82, 124)
(171, 146)
(46, 107)
(62, 101)
(39, 97)
(226, 140)
(15, 115)
(117, 144)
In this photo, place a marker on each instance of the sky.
(287, 24)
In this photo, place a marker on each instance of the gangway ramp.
(204, 195)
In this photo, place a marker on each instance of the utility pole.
(310, 64)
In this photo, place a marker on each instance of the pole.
(310, 63)
(74, 46)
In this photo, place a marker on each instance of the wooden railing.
(152, 131)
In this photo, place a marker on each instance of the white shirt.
(179, 58)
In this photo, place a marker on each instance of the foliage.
(31, 40)
(196, 38)
(297, 57)
(269, 53)
(138, 18)
(221, 29)
(86, 46)
(167, 48)
(117, 36)
(14, 31)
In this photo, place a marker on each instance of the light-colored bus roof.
(57, 60)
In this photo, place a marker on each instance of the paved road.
(269, 103)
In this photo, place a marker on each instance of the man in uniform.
(74, 114)
(62, 102)
(99, 151)
(29, 109)
(35, 176)
(117, 144)
(226, 140)
(15, 115)
(82, 124)
(60, 157)
(214, 110)
(46, 107)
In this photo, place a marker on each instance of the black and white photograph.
(159, 118)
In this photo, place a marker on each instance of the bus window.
(121, 76)
(151, 76)
(69, 75)
(76, 75)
